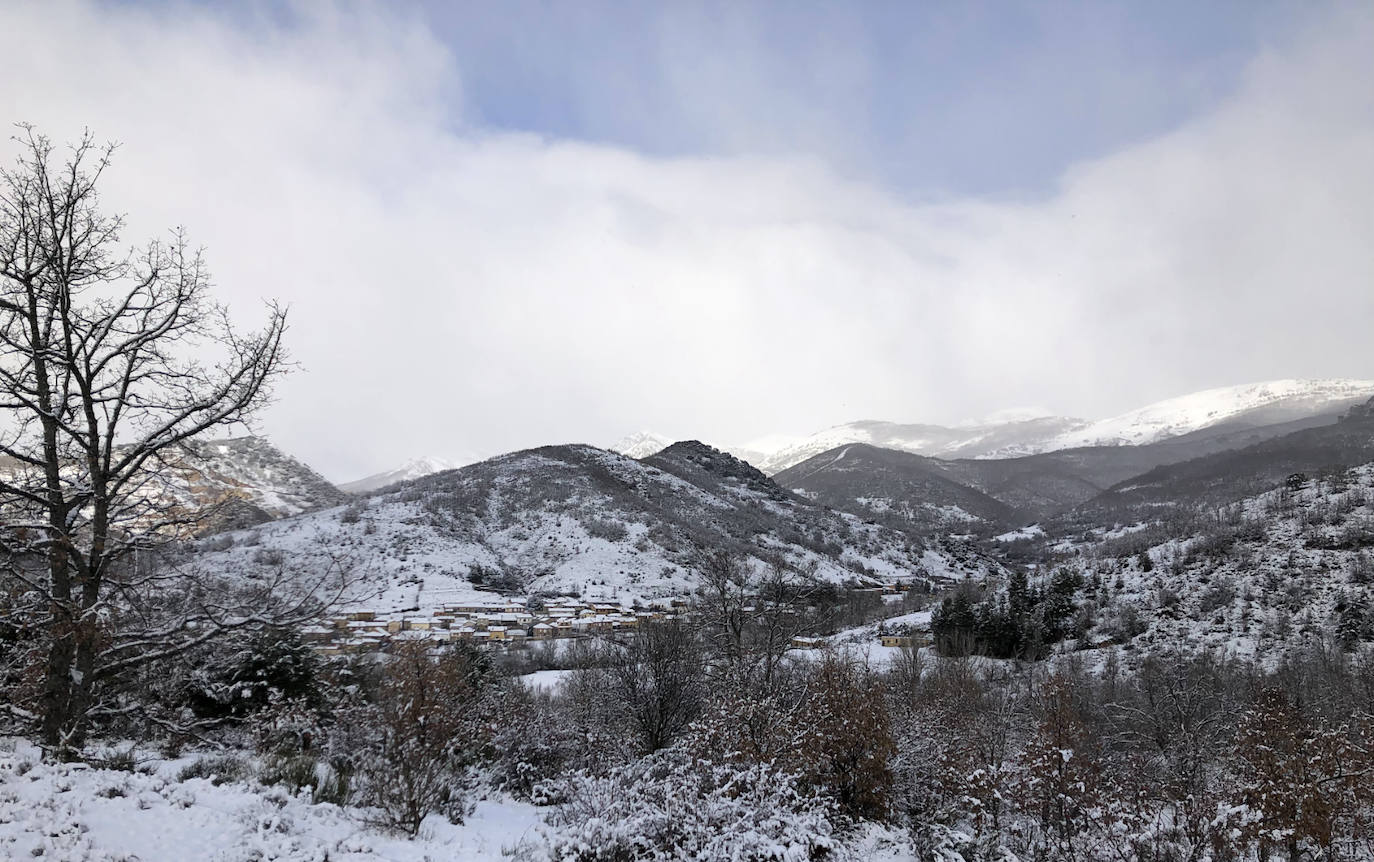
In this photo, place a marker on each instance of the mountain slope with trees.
(589, 521)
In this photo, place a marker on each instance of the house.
(542, 631)
(807, 643)
(316, 634)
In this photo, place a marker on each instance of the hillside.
(774, 455)
(1219, 415)
(1250, 405)
(930, 493)
(242, 481)
(1227, 476)
(1276, 569)
(253, 470)
(898, 488)
(587, 521)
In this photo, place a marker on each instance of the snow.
(1031, 532)
(1182, 415)
(1276, 583)
(642, 444)
(415, 468)
(407, 557)
(546, 680)
(1020, 433)
(71, 812)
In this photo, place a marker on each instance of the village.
(515, 620)
(494, 622)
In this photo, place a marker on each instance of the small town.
(516, 620)
(497, 622)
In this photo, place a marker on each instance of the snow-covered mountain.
(905, 490)
(1231, 407)
(975, 440)
(412, 469)
(587, 521)
(642, 444)
(1253, 404)
(222, 484)
(246, 480)
(254, 470)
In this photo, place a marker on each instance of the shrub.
(296, 772)
(243, 675)
(215, 768)
(670, 806)
(420, 734)
(1220, 594)
(603, 528)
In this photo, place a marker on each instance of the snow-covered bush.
(668, 806)
(542, 738)
(215, 768)
(415, 742)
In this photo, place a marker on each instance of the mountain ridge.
(1233, 407)
(575, 518)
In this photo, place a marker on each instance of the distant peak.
(641, 444)
(415, 468)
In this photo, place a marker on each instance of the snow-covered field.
(74, 813)
(546, 680)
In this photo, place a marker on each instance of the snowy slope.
(899, 488)
(1262, 403)
(236, 482)
(1005, 438)
(641, 444)
(587, 521)
(253, 470)
(1281, 568)
(412, 469)
(1011, 436)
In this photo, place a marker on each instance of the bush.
(603, 528)
(669, 806)
(1220, 594)
(243, 675)
(216, 768)
(296, 772)
(422, 731)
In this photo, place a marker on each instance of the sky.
(501, 225)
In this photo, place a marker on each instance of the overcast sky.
(513, 223)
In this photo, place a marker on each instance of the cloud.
(454, 289)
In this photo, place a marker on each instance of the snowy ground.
(74, 813)
(545, 680)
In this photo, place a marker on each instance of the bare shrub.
(420, 734)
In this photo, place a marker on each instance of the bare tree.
(656, 677)
(111, 359)
(751, 619)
